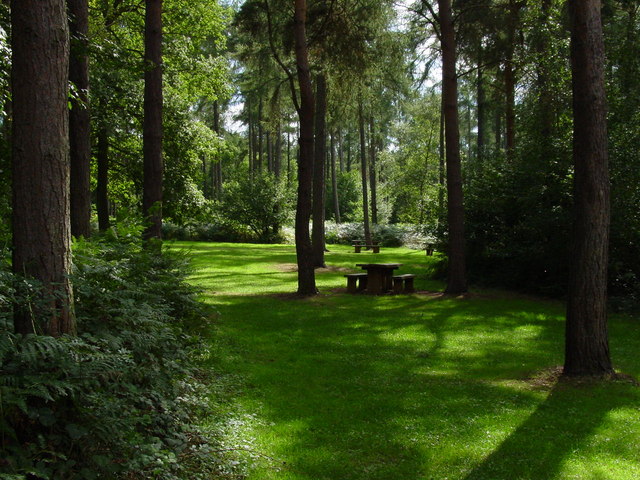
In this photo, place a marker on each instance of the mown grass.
(419, 386)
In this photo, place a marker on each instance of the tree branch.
(276, 57)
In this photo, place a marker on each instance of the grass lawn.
(418, 386)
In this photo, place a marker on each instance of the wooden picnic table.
(379, 276)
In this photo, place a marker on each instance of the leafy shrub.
(116, 400)
(394, 235)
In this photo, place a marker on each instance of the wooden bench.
(356, 282)
(358, 247)
(403, 283)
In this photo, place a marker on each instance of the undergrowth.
(119, 399)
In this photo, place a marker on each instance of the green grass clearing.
(421, 386)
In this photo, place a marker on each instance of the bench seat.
(403, 283)
(356, 282)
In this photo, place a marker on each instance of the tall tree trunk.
(79, 127)
(334, 182)
(509, 79)
(250, 134)
(482, 107)
(372, 172)
(260, 136)
(510, 117)
(152, 123)
(277, 159)
(586, 343)
(441, 166)
(304, 252)
(102, 158)
(363, 175)
(457, 279)
(340, 150)
(40, 162)
(320, 153)
(288, 159)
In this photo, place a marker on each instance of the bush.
(116, 400)
(394, 235)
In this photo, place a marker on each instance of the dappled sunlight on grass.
(408, 386)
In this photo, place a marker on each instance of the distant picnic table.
(359, 244)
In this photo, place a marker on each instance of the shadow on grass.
(362, 388)
(559, 427)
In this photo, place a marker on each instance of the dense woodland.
(449, 123)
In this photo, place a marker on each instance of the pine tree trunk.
(334, 183)
(482, 107)
(277, 160)
(372, 172)
(320, 153)
(586, 343)
(40, 162)
(260, 137)
(79, 127)
(457, 280)
(304, 252)
(363, 176)
(152, 123)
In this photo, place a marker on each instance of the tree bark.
(363, 176)
(40, 162)
(334, 183)
(152, 123)
(372, 172)
(457, 279)
(482, 107)
(277, 159)
(586, 342)
(79, 126)
(320, 153)
(304, 252)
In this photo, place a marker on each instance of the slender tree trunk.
(102, 199)
(340, 150)
(363, 174)
(372, 172)
(510, 117)
(152, 123)
(587, 344)
(288, 159)
(441, 167)
(457, 279)
(334, 182)
(250, 134)
(482, 107)
(79, 127)
(260, 137)
(40, 163)
(304, 252)
(278, 152)
(320, 153)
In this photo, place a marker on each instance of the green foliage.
(395, 235)
(349, 197)
(116, 400)
(260, 203)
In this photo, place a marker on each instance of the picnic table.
(379, 276)
(358, 245)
